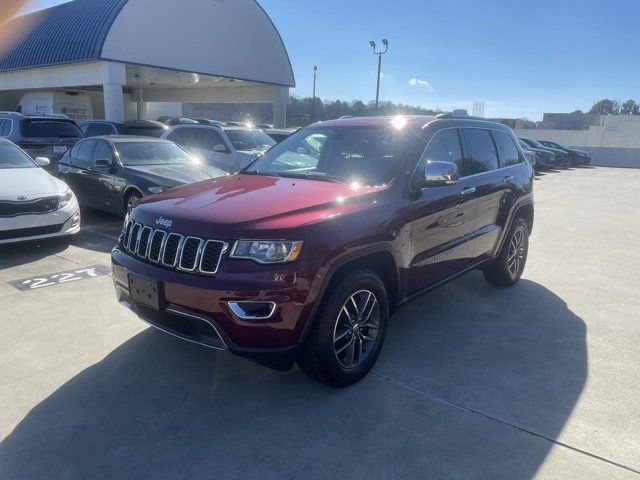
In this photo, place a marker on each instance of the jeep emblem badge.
(164, 222)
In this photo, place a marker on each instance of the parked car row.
(544, 154)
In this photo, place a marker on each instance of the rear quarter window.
(507, 149)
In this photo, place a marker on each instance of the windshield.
(152, 153)
(533, 143)
(12, 157)
(250, 139)
(51, 129)
(363, 155)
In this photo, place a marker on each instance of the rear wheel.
(508, 266)
(347, 336)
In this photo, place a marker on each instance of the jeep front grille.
(173, 250)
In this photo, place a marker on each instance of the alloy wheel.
(517, 251)
(356, 328)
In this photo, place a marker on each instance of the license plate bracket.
(147, 292)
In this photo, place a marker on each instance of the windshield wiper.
(308, 176)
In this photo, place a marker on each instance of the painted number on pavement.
(61, 278)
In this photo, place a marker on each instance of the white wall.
(158, 109)
(615, 142)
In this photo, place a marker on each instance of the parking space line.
(503, 422)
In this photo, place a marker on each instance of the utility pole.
(385, 42)
(313, 106)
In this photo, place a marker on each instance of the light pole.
(385, 42)
(313, 106)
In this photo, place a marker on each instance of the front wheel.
(130, 201)
(347, 337)
(508, 266)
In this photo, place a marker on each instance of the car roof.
(130, 138)
(228, 128)
(415, 120)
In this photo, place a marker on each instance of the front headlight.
(157, 189)
(266, 251)
(65, 199)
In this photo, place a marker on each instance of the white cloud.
(416, 82)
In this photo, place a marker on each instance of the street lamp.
(385, 42)
(313, 107)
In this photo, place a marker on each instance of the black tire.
(131, 197)
(506, 269)
(319, 358)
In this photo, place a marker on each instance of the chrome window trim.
(198, 253)
(225, 247)
(461, 144)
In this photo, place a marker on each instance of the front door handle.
(509, 179)
(468, 191)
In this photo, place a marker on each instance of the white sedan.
(33, 203)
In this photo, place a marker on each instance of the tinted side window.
(74, 151)
(176, 136)
(102, 152)
(508, 151)
(211, 138)
(94, 130)
(85, 154)
(445, 147)
(484, 157)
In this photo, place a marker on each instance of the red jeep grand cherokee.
(305, 254)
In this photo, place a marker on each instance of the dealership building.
(137, 59)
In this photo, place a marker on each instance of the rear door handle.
(468, 191)
(509, 179)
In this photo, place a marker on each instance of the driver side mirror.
(221, 148)
(438, 174)
(42, 161)
(102, 163)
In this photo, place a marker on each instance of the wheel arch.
(377, 258)
(125, 195)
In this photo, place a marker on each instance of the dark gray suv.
(40, 136)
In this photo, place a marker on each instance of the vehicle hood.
(29, 182)
(176, 174)
(581, 152)
(245, 203)
(539, 150)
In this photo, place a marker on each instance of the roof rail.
(454, 115)
(10, 113)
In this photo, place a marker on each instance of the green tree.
(630, 107)
(606, 107)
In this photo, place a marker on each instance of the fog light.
(75, 221)
(253, 310)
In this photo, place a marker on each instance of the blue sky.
(520, 58)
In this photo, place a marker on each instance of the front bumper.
(197, 307)
(61, 223)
